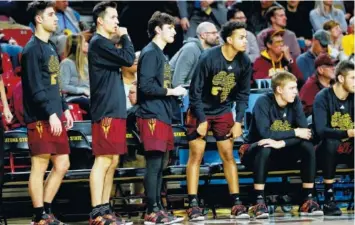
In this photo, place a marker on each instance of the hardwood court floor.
(276, 219)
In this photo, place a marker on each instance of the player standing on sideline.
(108, 108)
(221, 78)
(43, 111)
(154, 114)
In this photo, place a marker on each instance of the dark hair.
(231, 12)
(228, 28)
(343, 68)
(36, 8)
(158, 19)
(268, 39)
(100, 8)
(271, 12)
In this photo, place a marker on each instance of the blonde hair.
(319, 5)
(74, 51)
(281, 79)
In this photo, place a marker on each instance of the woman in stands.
(74, 75)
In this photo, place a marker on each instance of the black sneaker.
(310, 208)
(330, 208)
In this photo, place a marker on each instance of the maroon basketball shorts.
(109, 137)
(155, 135)
(220, 125)
(41, 141)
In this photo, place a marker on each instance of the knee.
(228, 158)
(62, 166)
(195, 158)
(329, 146)
(263, 152)
(114, 163)
(308, 148)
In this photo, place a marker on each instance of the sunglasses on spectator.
(278, 43)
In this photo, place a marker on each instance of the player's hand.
(70, 121)
(270, 143)
(185, 24)
(351, 133)
(303, 133)
(122, 31)
(8, 115)
(56, 125)
(202, 129)
(236, 131)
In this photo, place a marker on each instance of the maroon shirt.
(308, 93)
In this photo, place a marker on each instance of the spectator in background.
(17, 107)
(276, 16)
(348, 40)
(129, 76)
(298, 22)
(237, 15)
(68, 23)
(192, 13)
(305, 61)
(336, 36)
(324, 12)
(323, 77)
(255, 11)
(276, 58)
(184, 62)
(74, 73)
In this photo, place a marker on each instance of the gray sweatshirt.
(70, 81)
(184, 62)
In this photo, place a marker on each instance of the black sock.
(307, 193)
(235, 199)
(328, 192)
(259, 196)
(105, 209)
(48, 207)
(38, 212)
(96, 212)
(193, 201)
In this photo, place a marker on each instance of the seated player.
(333, 120)
(278, 135)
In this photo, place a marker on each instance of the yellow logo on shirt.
(222, 84)
(341, 122)
(167, 76)
(53, 67)
(279, 125)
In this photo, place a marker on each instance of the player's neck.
(280, 102)
(158, 41)
(339, 91)
(42, 34)
(103, 33)
(228, 52)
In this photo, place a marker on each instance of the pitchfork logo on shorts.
(39, 128)
(106, 125)
(152, 123)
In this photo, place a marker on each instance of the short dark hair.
(268, 39)
(159, 19)
(343, 68)
(36, 8)
(100, 8)
(231, 12)
(228, 28)
(271, 12)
